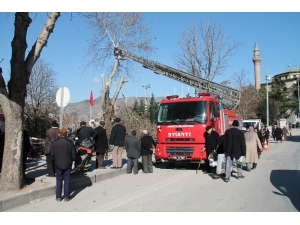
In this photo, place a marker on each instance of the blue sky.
(275, 33)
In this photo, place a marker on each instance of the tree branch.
(40, 43)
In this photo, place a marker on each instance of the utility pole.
(146, 98)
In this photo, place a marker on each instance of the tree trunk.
(11, 173)
(13, 103)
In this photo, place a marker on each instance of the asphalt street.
(274, 186)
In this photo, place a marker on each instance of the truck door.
(212, 114)
(226, 121)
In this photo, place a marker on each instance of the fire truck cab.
(181, 126)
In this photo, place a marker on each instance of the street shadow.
(76, 192)
(79, 181)
(287, 182)
(107, 163)
(36, 172)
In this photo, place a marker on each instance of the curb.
(43, 192)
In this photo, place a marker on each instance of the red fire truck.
(181, 122)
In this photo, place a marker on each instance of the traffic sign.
(62, 96)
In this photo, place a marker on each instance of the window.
(180, 112)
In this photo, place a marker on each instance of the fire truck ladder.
(230, 98)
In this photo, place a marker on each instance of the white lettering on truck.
(180, 134)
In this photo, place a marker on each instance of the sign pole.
(61, 108)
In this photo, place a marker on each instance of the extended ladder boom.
(230, 98)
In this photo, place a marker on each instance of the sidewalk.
(39, 186)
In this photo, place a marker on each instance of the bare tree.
(40, 106)
(204, 51)
(116, 30)
(250, 98)
(12, 99)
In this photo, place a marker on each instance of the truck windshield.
(182, 112)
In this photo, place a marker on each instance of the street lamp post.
(268, 78)
(298, 89)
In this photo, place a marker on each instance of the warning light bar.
(201, 94)
(172, 96)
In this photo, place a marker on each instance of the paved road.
(274, 186)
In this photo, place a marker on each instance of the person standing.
(85, 132)
(273, 132)
(212, 140)
(63, 154)
(146, 151)
(133, 149)
(117, 138)
(101, 145)
(234, 148)
(278, 134)
(285, 132)
(252, 144)
(261, 139)
(51, 136)
(266, 135)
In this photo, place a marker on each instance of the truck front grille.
(186, 151)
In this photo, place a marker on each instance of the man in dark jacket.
(117, 138)
(63, 154)
(133, 149)
(101, 145)
(85, 132)
(146, 152)
(234, 148)
(51, 136)
(278, 134)
(212, 140)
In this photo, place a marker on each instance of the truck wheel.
(170, 165)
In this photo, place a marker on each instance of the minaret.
(256, 60)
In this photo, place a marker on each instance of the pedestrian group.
(60, 151)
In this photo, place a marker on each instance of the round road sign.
(62, 96)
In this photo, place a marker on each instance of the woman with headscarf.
(252, 141)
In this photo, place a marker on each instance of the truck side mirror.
(217, 111)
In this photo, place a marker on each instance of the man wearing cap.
(51, 136)
(133, 149)
(234, 148)
(63, 154)
(212, 140)
(101, 145)
(85, 132)
(117, 138)
(146, 152)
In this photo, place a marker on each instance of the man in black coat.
(278, 134)
(117, 138)
(51, 136)
(101, 145)
(212, 140)
(133, 149)
(146, 152)
(234, 148)
(63, 154)
(85, 132)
